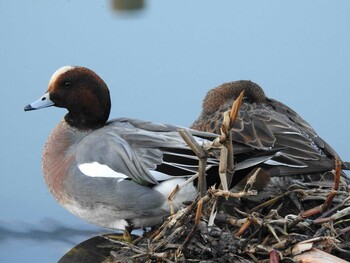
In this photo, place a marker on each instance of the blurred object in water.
(127, 5)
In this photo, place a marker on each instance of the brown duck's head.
(226, 92)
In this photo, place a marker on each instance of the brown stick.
(202, 156)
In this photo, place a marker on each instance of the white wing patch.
(96, 169)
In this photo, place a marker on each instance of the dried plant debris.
(276, 232)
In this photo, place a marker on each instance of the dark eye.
(67, 84)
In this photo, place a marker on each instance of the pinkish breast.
(56, 160)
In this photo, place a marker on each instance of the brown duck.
(267, 134)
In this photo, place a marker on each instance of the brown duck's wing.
(286, 141)
(304, 127)
(263, 128)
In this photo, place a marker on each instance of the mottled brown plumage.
(275, 137)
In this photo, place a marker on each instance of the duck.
(277, 139)
(116, 173)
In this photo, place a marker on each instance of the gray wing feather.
(134, 147)
(110, 149)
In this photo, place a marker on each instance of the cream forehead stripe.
(59, 72)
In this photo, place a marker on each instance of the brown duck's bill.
(42, 102)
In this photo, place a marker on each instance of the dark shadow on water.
(46, 230)
(86, 244)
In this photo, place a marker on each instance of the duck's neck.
(86, 120)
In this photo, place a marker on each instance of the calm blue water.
(158, 63)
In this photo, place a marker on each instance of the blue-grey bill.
(40, 103)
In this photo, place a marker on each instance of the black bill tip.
(28, 108)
